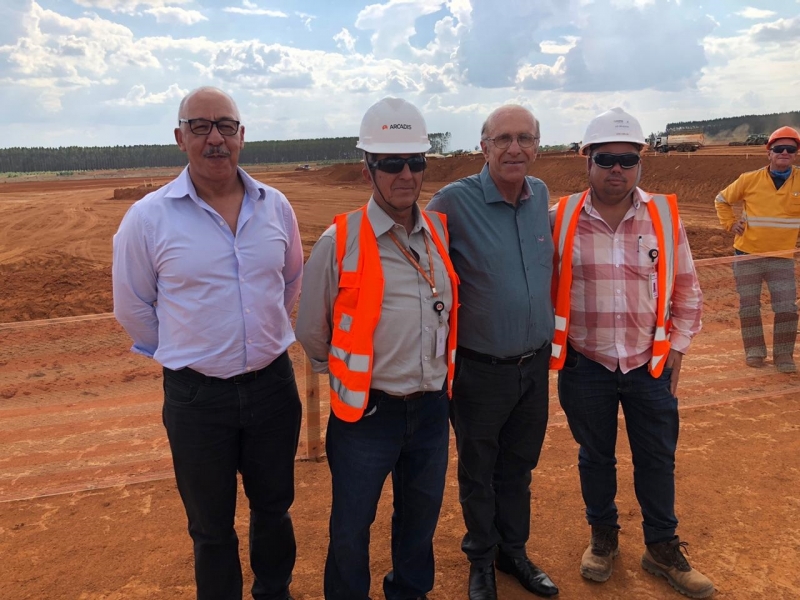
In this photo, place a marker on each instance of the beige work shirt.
(405, 339)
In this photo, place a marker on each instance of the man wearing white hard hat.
(503, 254)
(628, 303)
(378, 313)
(768, 224)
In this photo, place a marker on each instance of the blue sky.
(108, 72)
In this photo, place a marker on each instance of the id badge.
(441, 341)
(653, 286)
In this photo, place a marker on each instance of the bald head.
(511, 110)
(205, 91)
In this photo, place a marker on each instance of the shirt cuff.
(679, 342)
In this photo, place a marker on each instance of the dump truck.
(679, 142)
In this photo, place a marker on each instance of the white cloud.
(177, 16)
(306, 19)
(554, 47)
(128, 7)
(756, 13)
(782, 30)
(541, 76)
(138, 96)
(345, 40)
(394, 23)
(252, 9)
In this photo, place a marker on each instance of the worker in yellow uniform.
(378, 314)
(769, 224)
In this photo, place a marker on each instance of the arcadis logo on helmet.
(399, 126)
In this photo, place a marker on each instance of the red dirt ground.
(88, 506)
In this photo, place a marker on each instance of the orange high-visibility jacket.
(357, 309)
(663, 210)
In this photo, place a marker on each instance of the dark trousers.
(750, 275)
(499, 414)
(216, 428)
(408, 439)
(590, 395)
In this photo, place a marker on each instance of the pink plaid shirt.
(613, 312)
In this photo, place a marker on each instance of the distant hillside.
(729, 129)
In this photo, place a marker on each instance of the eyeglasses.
(525, 140)
(204, 126)
(787, 148)
(396, 164)
(606, 160)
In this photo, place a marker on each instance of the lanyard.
(428, 277)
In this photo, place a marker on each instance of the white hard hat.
(614, 125)
(393, 126)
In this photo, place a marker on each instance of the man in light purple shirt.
(206, 272)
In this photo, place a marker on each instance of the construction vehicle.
(756, 139)
(574, 147)
(679, 142)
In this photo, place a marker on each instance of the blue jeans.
(590, 395)
(750, 275)
(408, 439)
(216, 428)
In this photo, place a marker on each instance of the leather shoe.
(531, 577)
(482, 584)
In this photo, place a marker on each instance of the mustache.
(216, 151)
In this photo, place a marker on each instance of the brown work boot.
(785, 364)
(667, 560)
(757, 362)
(597, 560)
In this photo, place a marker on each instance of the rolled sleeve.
(687, 298)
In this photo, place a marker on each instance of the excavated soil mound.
(134, 193)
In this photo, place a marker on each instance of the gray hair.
(487, 124)
(207, 89)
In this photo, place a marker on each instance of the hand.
(738, 227)
(674, 362)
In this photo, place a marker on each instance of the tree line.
(80, 158)
(726, 126)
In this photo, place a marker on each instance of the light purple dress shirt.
(191, 294)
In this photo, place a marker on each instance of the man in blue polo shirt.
(502, 250)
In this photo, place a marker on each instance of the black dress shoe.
(531, 577)
(482, 585)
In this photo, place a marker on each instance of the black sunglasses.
(606, 160)
(395, 164)
(787, 147)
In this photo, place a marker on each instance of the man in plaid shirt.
(627, 303)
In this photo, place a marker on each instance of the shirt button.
(251, 341)
(618, 316)
(222, 222)
(425, 386)
(247, 310)
(427, 358)
(241, 279)
(618, 291)
(248, 369)
(427, 328)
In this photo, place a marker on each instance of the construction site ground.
(88, 504)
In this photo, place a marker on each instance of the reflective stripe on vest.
(357, 309)
(663, 211)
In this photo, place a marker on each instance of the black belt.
(495, 360)
(406, 398)
(198, 377)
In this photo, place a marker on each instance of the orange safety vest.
(357, 310)
(663, 211)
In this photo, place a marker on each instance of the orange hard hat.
(783, 132)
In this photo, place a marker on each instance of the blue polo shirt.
(503, 255)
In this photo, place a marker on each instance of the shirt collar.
(639, 196)
(183, 186)
(382, 222)
(490, 192)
